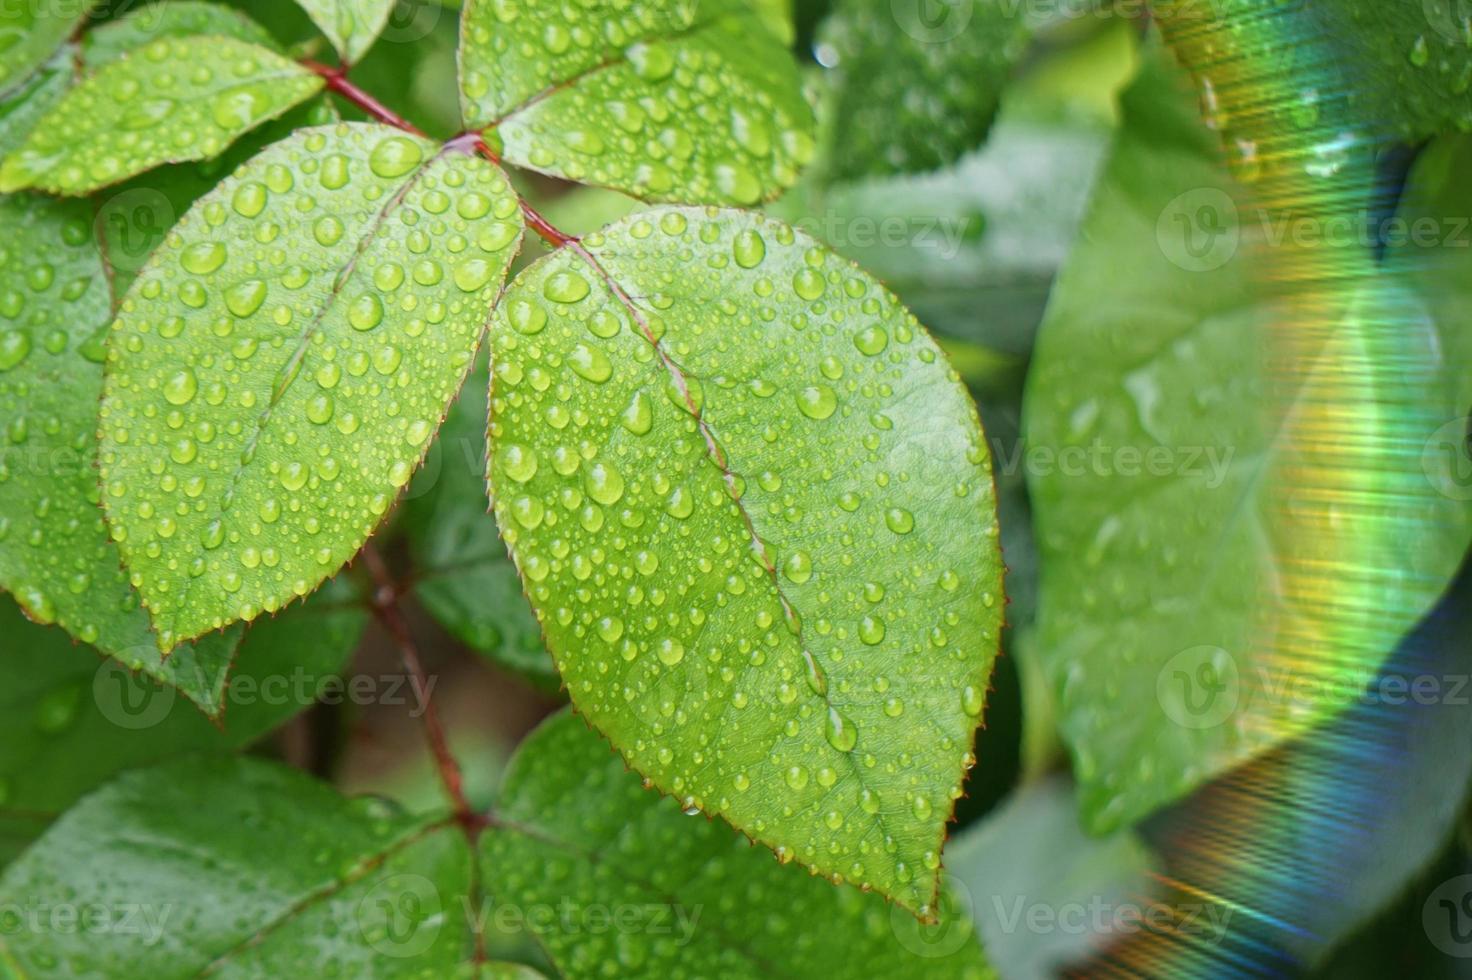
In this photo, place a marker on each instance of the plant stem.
(386, 608)
(337, 81)
(549, 232)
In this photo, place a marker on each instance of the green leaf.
(239, 868)
(916, 89)
(763, 549)
(30, 33)
(1031, 858)
(463, 575)
(26, 103)
(1166, 621)
(70, 720)
(575, 827)
(351, 25)
(175, 99)
(1403, 69)
(694, 101)
(169, 19)
(55, 556)
(306, 325)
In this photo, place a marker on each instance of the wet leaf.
(71, 720)
(1176, 526)
(30, 33)
(171, 19)
(351, 25)
(917, 85)
(765, 563)
(172, 100)
(577, 828)
(696, 102)
(282, 362)
(55, 556)
(348, 887)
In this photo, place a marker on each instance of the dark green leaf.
(55, 556)
(239, 868)
(918, 85)
(316, 314)
(463, 575)
(69, 720)
(576, 830)
(694, 101)
(763, 548)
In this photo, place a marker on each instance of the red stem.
(549, 232)
(386, 608)
(337, 81)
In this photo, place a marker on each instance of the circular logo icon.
(952, 927)
(1446, 459)
(1199, 230)
(1447, 916)
(133, 224)
(932, 21)
(1199, 688)
(132, 701)
(402, 915)
(1448, 18)
(410, 21)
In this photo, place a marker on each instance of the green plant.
(749, 501)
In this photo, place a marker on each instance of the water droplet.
(669, 651)
(638, 415)
(395, 157)
(871, 340)
(817, 402)
(366, 312)
(565, 287)
(519, 462)
(244, 298)
(749, 249)
(871, 630)
(181, 388)
(604, 483)
(590, 363)
(839, 731)
(899, 520)
(798, 567)
(202, 258)
(971, 700)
